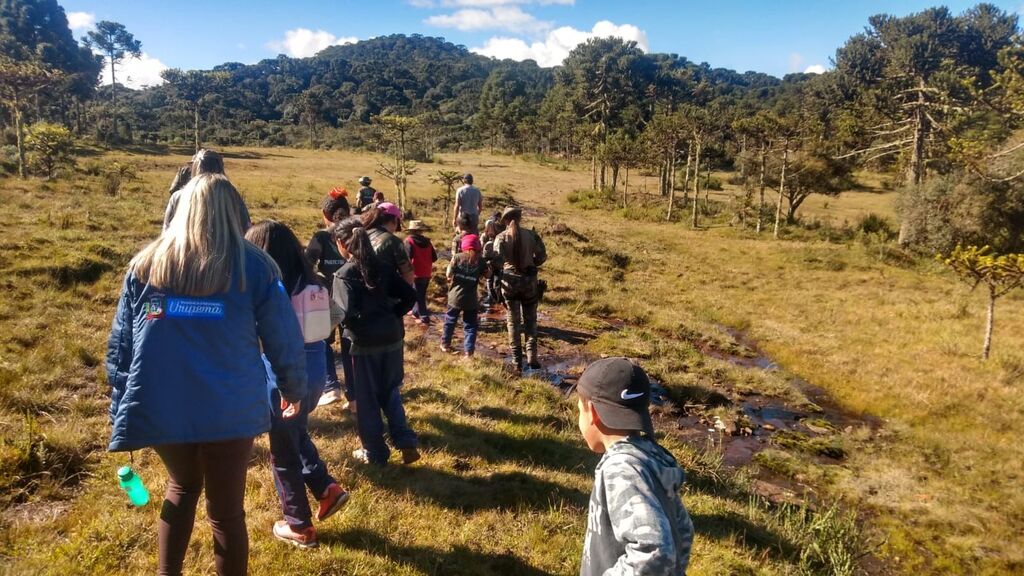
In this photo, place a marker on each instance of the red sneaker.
(334, 499)
(303, 539)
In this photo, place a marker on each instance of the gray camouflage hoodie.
(637, 524)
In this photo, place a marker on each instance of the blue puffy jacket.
(186, 369)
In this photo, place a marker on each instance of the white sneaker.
(329, 397)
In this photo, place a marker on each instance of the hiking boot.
(534, 365)
(350, 407)
(334, 499)
(410, 455)
(329, 397)
(304, 539)
(446, 348)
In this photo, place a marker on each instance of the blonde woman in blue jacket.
(185, 369)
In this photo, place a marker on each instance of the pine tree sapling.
(50, 148)
(448, 179)
(999, 273)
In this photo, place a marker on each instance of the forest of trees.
(933, 99)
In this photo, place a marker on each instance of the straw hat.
(416, 225)
(510, 212)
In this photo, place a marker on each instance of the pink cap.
(390, 209)
(470, 242)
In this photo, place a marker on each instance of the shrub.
(875, 225)
(118, 174)
(592, 199)
(49, 148)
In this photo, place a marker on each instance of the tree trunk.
(662, 170)
(782, 189)
(195, 126)
(19, 129)
(78, 117)
(686, 178)
(707, 187)
(989, 323)
(760, 184)
(625, 188)
(696, 184)
(593, 169)
(672, 169)
(113, 99)
(671, 202)
(603, 181)
(915, 170)
(615, 178)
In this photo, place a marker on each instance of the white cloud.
(511, 18)
(478, 3)
(814, 69)
(483, 3)
(303, 42)
(81, 20)
(559, 42)
(136, 72)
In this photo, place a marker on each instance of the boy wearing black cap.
(637, 523)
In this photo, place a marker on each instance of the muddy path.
(737, 424)
(733, 422)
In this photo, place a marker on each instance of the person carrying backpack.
(465, 271)
(522, 253)
(365, 195)
(295, 461)
(371, 299)
(422, 255)
(323, 253)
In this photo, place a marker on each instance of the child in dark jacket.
(371, 299)
(324, 255)
(465, 271)
(463, 228)
(637, 523)
(422, 255)
(295, 461)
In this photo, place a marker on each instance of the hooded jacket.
(422, 255)
(186, 369)
(637, 524)
(373, 321)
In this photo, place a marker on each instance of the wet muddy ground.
(735, 424)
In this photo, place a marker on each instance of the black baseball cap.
(620, 392)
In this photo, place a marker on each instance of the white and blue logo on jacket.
(194, 308)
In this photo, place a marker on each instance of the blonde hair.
(203, 245)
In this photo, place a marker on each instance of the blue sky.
(773, 36)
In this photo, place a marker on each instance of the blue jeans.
(332, 368)
(470, 323)
(378, 379)
(420, 309)
(295, 462)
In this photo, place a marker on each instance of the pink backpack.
(313, 307)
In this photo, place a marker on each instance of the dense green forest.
(934, 99)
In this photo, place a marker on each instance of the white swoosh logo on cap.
(627, 396)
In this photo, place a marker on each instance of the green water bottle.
(133, 486)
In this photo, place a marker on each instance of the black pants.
(220, 467)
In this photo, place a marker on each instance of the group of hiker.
(226, 329)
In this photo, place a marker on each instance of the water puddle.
(757, 422)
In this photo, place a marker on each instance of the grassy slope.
(503, 488)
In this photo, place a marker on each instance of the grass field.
(929, 461)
